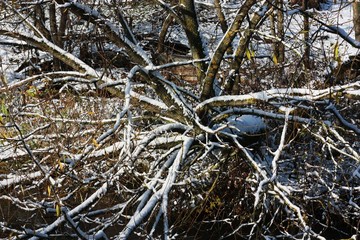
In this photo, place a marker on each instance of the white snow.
(242, 125)
(13, 179)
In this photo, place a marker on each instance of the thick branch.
(191, 27)
(207, 85)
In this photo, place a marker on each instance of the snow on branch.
(56, 51)
(343, 34)
(136, 53)
(300, 94)
(101, 152)
(41, 42)
(160, 194)
(234, 100)
(262, 113)
(71, 213)
(15, 179)
(66, 120)
(331, 28)
(171, 127)
(56, 77)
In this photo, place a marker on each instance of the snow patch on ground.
(242, 125)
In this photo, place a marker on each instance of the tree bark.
(191, 27)
(222, 20)
(306, 57)
(356, 20)
(257, 18)
(207, 85)
(55, 38)
(39, 21)
(164, 29)
(281, 32)
(221, 16)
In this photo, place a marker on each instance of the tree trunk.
(281, 32)
(207, 85)
(191, 27)
(234, 78)
(55, 38)
(220, 16)
(277, 29)
(306, 35)
(164, 29)
(356, 19)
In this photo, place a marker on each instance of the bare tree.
(111, 141)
